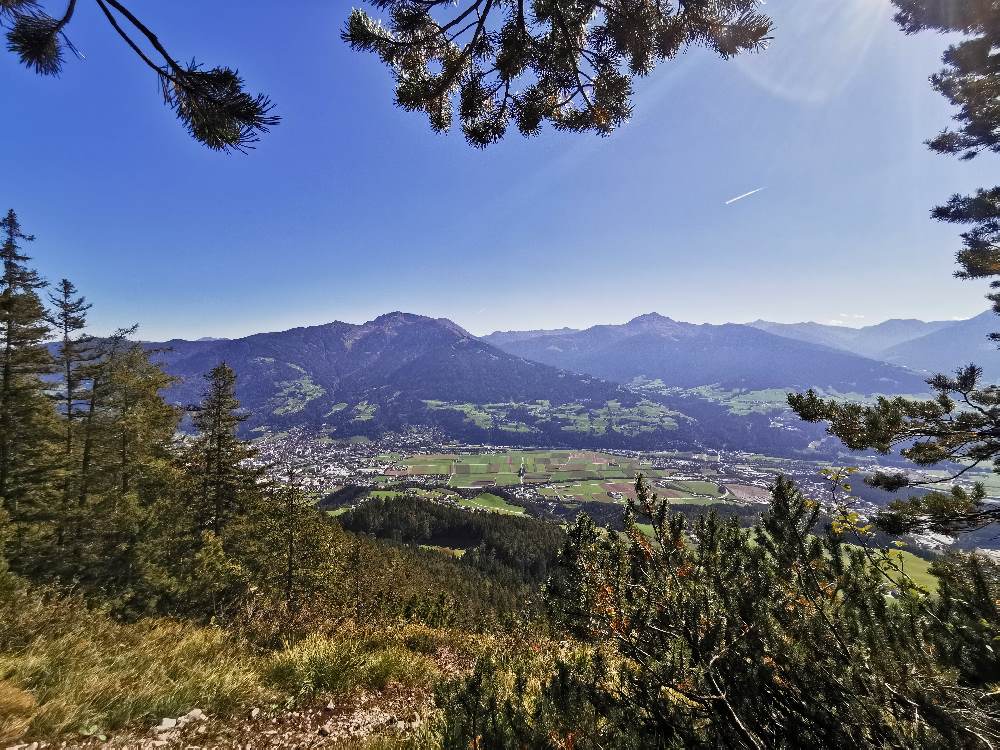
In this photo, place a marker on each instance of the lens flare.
(818, 46)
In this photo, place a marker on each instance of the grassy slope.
(68, 670)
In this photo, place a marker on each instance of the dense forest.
(522, 549)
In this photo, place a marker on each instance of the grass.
(295, 395)
(364, 412)
(66, 670)
(324, 665)
(464, 470)
(917, 569)
(82, 670)
(530, 417)
(492, 502)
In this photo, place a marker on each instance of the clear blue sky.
(352, 208)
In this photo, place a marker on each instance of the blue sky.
(351, 208)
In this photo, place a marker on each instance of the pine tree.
(569, 63)
(709, 635)
(969, 80)
(962, 423)
(488, 62)
(211, 104)
(24, 410)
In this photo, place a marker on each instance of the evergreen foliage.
(211, 104)
(706, 635)
(568, 63)
(521, 550)
(25, 420)
(969, 80)
(102, 495)
(493, 61)
(961, 423)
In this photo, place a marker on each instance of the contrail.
(745, 195)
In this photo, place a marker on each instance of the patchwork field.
(687, 492)
(527, 467)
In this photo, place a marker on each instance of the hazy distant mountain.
(869, 341)
(959, 343)
(937, 346)
(499, 338)
(732, 356)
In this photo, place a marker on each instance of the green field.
(502, 469)
(686, 492)
(492, 502)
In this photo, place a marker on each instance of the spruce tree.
(128, 435)
(290, 546)
(25, 418)
(69, 319)
(218, 455)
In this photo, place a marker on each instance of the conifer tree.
(69, 319)
(24, 410)
(202, 524)
(129, 437)
(490, 62)
(289, 549)
(211, 104)
(566, 62)
(218, 456)
(709, 635)
(961, 424)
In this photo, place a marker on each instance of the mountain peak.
(650, 317)
(397, 318)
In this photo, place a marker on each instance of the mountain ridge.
(731, 355)
(402, 370)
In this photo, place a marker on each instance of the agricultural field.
(488, 501)
(522, 467)
(686, 492)
(484, 501)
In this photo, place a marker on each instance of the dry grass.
(16, 710)
(84, 670)
(66, 669)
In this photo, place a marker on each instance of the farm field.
(488, 501)
(484, 501)
(504, 469)
(688, 492)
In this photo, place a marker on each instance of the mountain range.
(656, 348)
(650, 383)
(926, 347)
